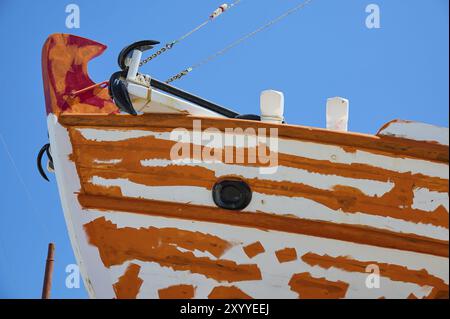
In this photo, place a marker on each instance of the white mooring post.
(337, 114)
(272, 106)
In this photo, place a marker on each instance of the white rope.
(239, 41)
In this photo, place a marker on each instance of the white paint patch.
(176, 194)
(427, 200)
(284, 174)
(114, 135)
(417, 131)
(279, 205)
(111, 161)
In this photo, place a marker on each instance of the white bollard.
(272, 106)
(337, 114)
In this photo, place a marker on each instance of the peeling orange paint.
(391, 271)
(159, 245)
(129, 284)
(253, 249)
(438, 293)
(157, 148)
(64, 70)
(352, 233)
(225, 292)
(395, 203)
(384, 145)
(177, 292)
(309, 287)
(347, 199)
(286, 254)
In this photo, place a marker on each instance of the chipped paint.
(309, 150)
(177, 292)
(284, 174)
(253, 249)
(117, 245)
(278, 205)
(109, 161)
(129, 284)
(416, 131)
(309, 287)
(391, 271)
(225, 292)
(357, 234)
(286, 254)
(64, 70)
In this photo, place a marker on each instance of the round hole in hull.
(232, 194)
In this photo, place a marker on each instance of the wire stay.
(221, 9)
(237, 42)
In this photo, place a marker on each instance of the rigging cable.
(237, 42)
(221, 9)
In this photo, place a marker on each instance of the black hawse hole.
(232, 194)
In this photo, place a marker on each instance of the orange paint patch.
(155, 237)
(309, 287)
(177, 292)
(223, 292)
(129, 284)
(391, 271)
(437, 293)
(352, 233)
(286, 254)
(160, 245)
(253, 249)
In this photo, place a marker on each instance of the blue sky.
(324, 50)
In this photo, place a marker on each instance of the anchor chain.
(165, 48)
(221, 9)
(179, 75)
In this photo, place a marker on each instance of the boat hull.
(325, 225)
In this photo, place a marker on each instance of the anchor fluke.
(126, 52)
(119, 93)
(45, 149)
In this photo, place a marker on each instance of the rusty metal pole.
(48, 272)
